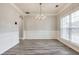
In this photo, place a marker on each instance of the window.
(70, 27)
(75, 27)
(65, 27)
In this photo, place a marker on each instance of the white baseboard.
(40, 35)
(70, 44)
(8, 40)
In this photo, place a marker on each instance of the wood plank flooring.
(40, 47)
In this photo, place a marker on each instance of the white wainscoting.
(8, 40)
(40, 35)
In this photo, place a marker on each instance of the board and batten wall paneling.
(9, 34)
(35, 28)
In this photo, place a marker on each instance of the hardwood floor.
(40, 47)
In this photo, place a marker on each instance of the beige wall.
(8, 16)
(42, 29)
(47, 24)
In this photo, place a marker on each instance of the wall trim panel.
(8, 40)
(40, 35)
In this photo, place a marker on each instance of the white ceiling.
(46, 7)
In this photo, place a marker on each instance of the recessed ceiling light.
(40, 3)
(27, 12)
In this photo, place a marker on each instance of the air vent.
(57, 6)
(27, 12)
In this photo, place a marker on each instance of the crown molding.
(64, 8)
(32, 14)
(18, 9)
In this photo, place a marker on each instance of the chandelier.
(40, 15)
